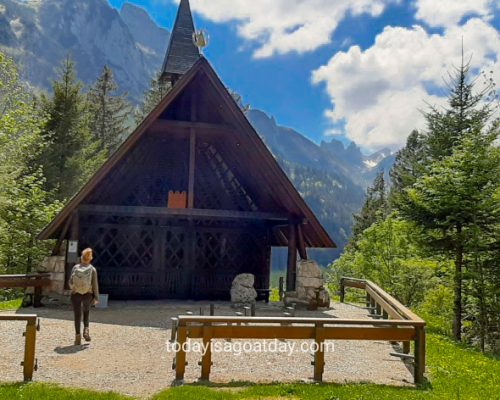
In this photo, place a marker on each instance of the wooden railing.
(403, 326)
(36, 281)
(32, 326)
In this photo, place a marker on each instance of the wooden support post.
(385, 315)
(406, 347)
(180, 357)
(29, 350)
(281, 288)
(419, 354)
(71, 259)
(342, 290)
(206, 361)
(57, 248)
(368, 300)
(291, 272)
(319, 355)
(373, 305)
(378, 309)
(301, 243)
(192, 163)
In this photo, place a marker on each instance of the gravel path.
(129, 354)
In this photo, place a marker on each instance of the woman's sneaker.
(78, 340)
(86, 335)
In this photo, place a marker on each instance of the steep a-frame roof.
(267, 178)
(181, 53)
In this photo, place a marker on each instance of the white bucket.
(103, 301)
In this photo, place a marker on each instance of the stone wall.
(55, 266)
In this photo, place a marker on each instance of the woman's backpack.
(81, 279)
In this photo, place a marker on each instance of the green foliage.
(374, 209)
(389, 254)
(72, 155)
(437, 309)
(108, 112)
(24, 205)
(11, 305)
(43, 391)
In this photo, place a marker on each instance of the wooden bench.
(36, 281)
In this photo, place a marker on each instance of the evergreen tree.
(455, 204)
(431, 200)
(158, 88)
(71, 155)
(24, 206)
(108, 112)
(374, 209)
(409, 163)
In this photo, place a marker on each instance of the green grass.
(455, 373)
(10, 305)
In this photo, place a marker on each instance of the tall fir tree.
(431, 201)
(375, 207)
(158, 88)
(109, 112)
(71, 155)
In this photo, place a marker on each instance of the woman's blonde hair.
(86, 253)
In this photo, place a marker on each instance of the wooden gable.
(234, 170)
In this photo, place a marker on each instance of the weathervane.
(201, 39)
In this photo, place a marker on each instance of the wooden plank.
(185, 320)
(299, 332)
(164, 126)
(402, 310)
(23, 283)
(291, 270)
(31, 318)
(195, 213)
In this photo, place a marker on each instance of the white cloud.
(379, 91)
(445, 13)
(283, 26)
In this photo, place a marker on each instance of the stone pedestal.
(55, 266)
(309, 287)
(242, 290)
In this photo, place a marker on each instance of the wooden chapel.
(191, 199)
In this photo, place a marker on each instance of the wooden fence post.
(419, 354)
(342, 290)
(29, 350)
(319, 355)
(180, 357)
(206, 360)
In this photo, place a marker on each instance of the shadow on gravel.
(71, 349)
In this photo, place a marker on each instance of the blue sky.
(358, 70)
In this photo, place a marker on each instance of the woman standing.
(84, 293)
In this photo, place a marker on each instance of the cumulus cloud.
(379, 91)
(445, 13)
(284, 26)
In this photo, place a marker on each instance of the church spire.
(181, 53)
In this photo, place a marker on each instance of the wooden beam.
(162, 126)
(170, 212)
(291, 271)
(301, 243)
(73, 235)
(192, 163)
(57, 248)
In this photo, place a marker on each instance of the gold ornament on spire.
(201, 39)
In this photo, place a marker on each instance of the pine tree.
(158, 88)
(374, 209)
(409, 163)
(108, 112)
(71, 155)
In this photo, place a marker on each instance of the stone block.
(242, 290)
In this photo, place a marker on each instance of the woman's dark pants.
(80, 301)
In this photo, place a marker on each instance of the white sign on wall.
(73, 246)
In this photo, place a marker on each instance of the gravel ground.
(129, 354)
